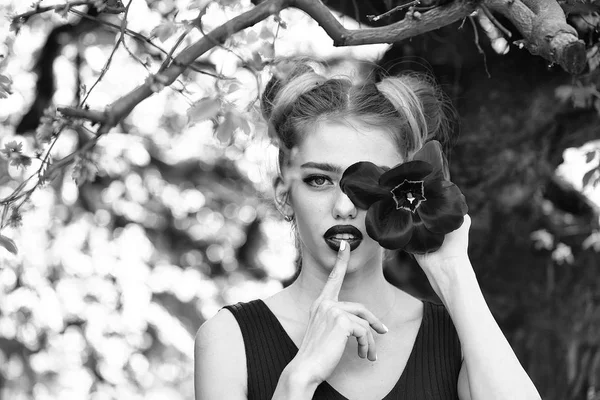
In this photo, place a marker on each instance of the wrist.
(299, 382)
(455, 276)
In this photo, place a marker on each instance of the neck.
(363, 284)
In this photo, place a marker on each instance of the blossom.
(12, 151)
(411, 206)
(11, 148)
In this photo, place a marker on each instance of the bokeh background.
(124, 254)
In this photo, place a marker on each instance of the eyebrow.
(323, 166)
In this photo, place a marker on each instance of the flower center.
(408, 195)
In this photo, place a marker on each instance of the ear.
(282, 196)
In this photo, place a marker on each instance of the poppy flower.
(411, 206)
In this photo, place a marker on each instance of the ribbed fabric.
(431, 372)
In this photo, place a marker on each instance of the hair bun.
(427, 110)
(283, 72)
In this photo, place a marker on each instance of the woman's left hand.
(441, 265)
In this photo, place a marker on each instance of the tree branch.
(38, 10)
(92, 116)
(580, 6)
(545, 30)
(434, 19)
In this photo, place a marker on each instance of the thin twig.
(474, 25)
(165, 63)
(112, 53)
(374, 18)
(133, 34)
(39, 10)
(495, 21)
(221, 45)
(138, 36)
(356, 13)
(136, 58)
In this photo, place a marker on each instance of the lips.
(334, 236)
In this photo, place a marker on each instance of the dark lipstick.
(334, 243)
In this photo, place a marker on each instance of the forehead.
(345, 143)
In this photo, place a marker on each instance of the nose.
(343, 207)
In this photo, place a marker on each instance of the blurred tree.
(126, 244)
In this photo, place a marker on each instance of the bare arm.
(219, 360)
(490, 369)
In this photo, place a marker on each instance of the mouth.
(334, 236)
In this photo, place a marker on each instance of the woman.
(295, 344)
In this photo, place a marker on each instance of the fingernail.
(385, 327)
(342, 245)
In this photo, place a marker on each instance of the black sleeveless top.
(431, 372)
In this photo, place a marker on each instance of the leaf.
(226, 128)
(267, 50)
(256, 62)
(266, 33)
(20, 161)
(199, 5)
(583, 95)
(563, 92)
(5, 80)
(589, 156)
(281, 22)
(164, 31)
(8, 244)
(62, 11)
(239, 122)
(15, 25)
(588, 175)
(233, 88)
(5, 84)
(12, 149)
(593, 57)
(84, 169)
(203, 109)
(251, 37)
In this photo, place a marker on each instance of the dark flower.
(411, 206)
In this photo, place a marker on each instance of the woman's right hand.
(331, 323)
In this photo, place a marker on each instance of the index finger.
(332, 287)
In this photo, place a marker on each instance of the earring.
(288, 218)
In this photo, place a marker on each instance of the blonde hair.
(411, 106)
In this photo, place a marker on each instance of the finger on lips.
(333, 285)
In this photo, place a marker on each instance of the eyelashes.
(317, 181)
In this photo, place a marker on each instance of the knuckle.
(326, 304)
(337, 314)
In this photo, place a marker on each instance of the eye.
(316, 180)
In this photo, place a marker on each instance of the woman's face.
(324, 214)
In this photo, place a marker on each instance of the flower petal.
(360, 183)
(391, 228)
(423, 240)
(432, 153)
(411, 170)
(444, 208)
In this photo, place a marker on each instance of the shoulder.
(219, 359)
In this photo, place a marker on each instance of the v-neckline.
(408, 361)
